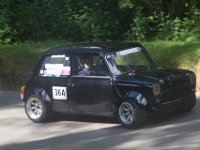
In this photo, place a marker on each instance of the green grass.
(18, 61)
(174, 54)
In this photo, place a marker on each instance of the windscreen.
(126, 60)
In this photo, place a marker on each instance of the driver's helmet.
(86, 61)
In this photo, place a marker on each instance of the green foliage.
(6, 32)
(138, 27)
(89, 21)
(102, 20)
(194, 22)
(126, 4)
(173, 29)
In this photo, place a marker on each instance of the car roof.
(92, 48)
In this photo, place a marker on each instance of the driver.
(85, 63)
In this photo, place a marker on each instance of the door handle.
(71, 84)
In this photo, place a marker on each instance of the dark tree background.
(98, 20)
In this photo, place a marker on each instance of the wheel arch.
(39, 92)
(137, 97)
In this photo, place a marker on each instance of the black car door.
(91, 94)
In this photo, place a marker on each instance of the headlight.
(192, 79)
(156, 89)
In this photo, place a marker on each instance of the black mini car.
(105, 79)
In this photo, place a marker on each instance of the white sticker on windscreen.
(59, 93)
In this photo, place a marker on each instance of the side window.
(90, 65)
(55, 66)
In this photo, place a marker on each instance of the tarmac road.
(17, 132)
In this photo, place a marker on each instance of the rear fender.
(41, 93)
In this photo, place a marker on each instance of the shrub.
(6, 32)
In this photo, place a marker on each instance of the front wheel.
(36, 109)
(188, 104)
(130, 115)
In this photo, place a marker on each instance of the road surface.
(17, 132)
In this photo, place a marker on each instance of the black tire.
(187, 105)
(131, 115)
(36, 109)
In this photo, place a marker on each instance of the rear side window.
(55, 66)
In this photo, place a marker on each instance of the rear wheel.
(36, 109)
(130, 115)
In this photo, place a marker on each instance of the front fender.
(137, 97)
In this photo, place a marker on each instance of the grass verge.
(18, 61)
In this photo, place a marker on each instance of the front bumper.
(170, 103)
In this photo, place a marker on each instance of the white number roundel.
(59, 93)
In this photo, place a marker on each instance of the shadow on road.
(84, 118)
(117, 137)
(152, 121)
(96, 139)
(173, 131)
(9, 99)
